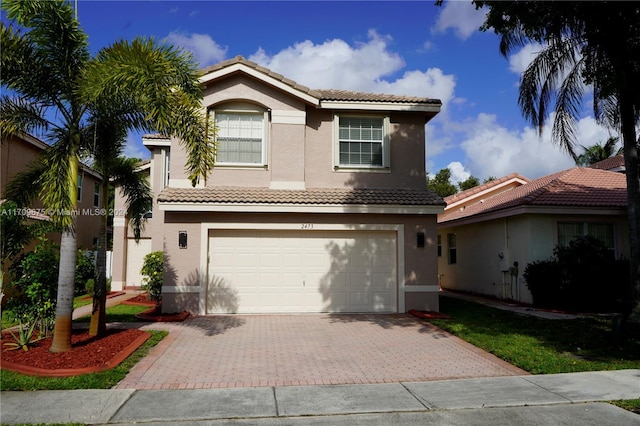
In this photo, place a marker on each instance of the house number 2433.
(307, 226)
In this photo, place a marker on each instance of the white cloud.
(458, 172)
(518, 62)
(461, 16)
(368, 66)
(204, 48)
(492, 150)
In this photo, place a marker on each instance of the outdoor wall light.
(420, 238)
(182, 239)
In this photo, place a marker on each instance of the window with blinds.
(361, 141)
(240, 137)
(603, 231)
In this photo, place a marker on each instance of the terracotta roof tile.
(614, 163)
(315, 196)
(576, 187)
(480, 188)
(322, 94)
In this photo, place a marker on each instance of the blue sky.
(409, 48)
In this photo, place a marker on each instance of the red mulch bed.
(88, 354)
(428, 314)
(154, 314)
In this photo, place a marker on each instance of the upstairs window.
(241, 137)
(96, 194)
(79, 191)
(363, 142)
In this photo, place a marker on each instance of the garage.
(285, 271)
(136, 251)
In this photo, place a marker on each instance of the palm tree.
(596, 43)
(107, 135)
(597, 152)
(57, 88)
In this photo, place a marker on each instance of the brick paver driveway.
(281, 350)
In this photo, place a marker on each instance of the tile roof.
(314, 196)
(615, 163)
(322, 94)
(485, 186)
(576, 187)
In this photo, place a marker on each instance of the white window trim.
(96, 191)
(80, 185)
(386, 142)
(265, 135)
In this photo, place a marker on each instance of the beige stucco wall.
(183, 266)
(523, 239)
(15, 156)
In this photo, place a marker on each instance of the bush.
(85, 270)
(90, 286)
(583, 276)
(153, 270)
(36, 286)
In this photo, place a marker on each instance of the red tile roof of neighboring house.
(481, 188)
(323, 95)
(615, 163)
(314, 196)
(576, 187)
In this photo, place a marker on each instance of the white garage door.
(136, 251)
(301, 271)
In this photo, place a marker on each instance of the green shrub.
(89, 287)
(584, 276)
(36, 283)
(85, 270)
(153, 270)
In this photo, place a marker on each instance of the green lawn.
(538, 345)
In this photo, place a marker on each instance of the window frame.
(386, 142)
(79, 187)
(585, 225)
(243, 109)
(96, 194)
(452, 249)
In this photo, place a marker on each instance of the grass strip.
(539, 345)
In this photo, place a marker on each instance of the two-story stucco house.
(15, 155)
(317, 203)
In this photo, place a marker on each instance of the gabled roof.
(321, 98)
(243, 197)
(582, 187)
(614, 164)
(488, 189)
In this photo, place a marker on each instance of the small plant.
(153, 270)
(24, 338)
(89, 286)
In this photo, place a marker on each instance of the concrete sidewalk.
(567, 399)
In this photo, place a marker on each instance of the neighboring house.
(484, 231)
(15, 155)
(317, 202)
(613, 164)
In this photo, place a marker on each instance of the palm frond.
(135, 187)
(24, 187)
(18, 115)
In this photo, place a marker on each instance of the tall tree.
(441, 183)
(596, 43)
(597, 152)
(56, 87)
(468, 183)
(106, 135)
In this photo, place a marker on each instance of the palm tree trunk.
(98, 326)
(64, 307)
(630, 147)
